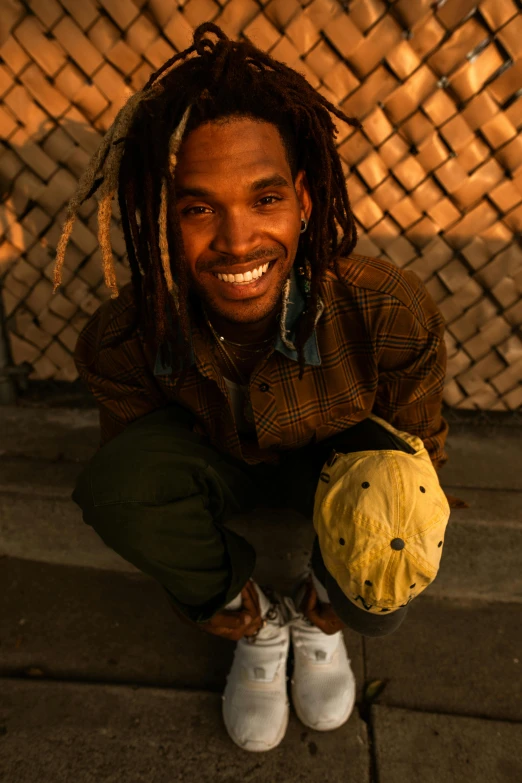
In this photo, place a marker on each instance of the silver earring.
(303, 228)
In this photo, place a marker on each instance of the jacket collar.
(296, 303)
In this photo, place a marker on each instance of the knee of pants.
(155, 468)
(177, 544)
(161, 508)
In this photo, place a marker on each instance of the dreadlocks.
(209, 81)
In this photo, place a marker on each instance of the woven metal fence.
(434, 176)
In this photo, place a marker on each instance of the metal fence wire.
(434, 176)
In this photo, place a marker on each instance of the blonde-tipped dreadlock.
(105, 162)
(174, 145)
(211, 80)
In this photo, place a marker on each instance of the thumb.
(310, 597)
(250, 603)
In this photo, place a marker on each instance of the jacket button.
(264, 387)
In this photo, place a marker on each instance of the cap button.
(397, 543)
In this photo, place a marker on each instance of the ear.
(303, 194)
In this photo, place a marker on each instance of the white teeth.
(243, 278)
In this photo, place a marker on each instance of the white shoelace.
(263, 663)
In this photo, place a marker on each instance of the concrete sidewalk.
(101, 682)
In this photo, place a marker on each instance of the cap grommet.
(413, 585)
(397, 543)
(422, 489)
(440, 543)
(365, 484)
(368, 583)
(341, 541)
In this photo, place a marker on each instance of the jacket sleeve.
(412, 363)
(118, 378)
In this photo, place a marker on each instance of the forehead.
(218, 148)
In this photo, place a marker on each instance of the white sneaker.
(255, 700)
(323, 683)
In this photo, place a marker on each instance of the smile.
(244, 279)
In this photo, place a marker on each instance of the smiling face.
(239, 209)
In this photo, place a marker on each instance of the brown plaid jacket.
(378, 347)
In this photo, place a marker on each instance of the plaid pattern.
(378, 346)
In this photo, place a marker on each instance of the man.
(251, 343)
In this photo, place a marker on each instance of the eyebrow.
(272, 181)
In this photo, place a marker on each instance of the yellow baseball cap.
(380, 517)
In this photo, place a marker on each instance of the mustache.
(226, 262)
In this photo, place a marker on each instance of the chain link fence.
(434, 176)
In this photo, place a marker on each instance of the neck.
(245, 333)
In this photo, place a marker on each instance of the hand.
(321, 615)
(234, 624)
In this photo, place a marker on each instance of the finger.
(230, 628)
(314, 617)
(254, 627)
(332, 625)
(250, 599)
(228, 620)
(311, 597)
(324, 625)
(323, 616)
(251, 623)
(243, 627)
(333, 618)
(235, 619)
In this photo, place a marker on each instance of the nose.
(236, 235)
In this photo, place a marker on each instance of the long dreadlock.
(208, 81)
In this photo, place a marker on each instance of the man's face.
(239, 210)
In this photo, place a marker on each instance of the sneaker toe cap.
(325, 711)
(260, 726)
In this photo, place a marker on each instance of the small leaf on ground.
(374, 689)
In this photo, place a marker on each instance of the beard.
(252, 310)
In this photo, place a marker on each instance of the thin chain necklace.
(265, 344)
(243, 346)
(248, 413)
(247, 405)
(250, 351)
(228, 359)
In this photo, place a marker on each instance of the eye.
(190, 211)
(276, 198)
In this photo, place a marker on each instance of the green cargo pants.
(160, 495)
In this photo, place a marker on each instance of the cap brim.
(361, 621)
